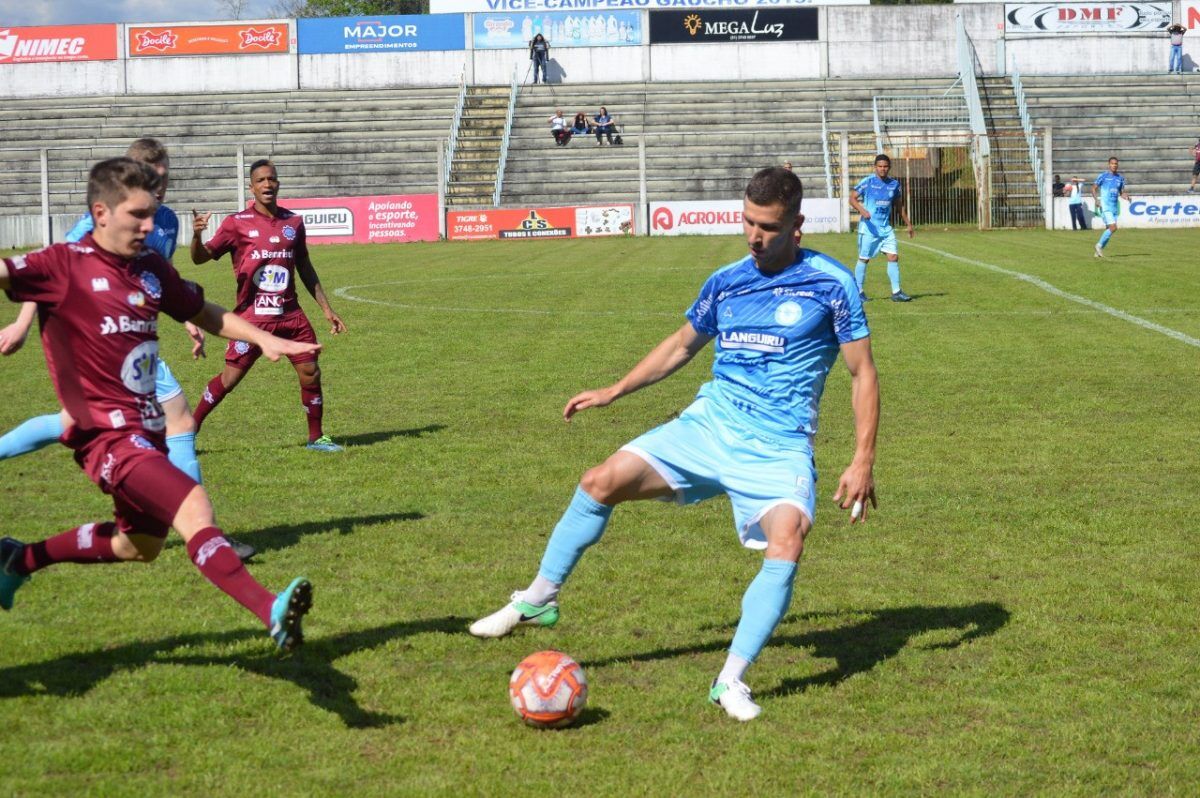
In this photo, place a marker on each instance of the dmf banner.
(1069, 18)
(734, 25)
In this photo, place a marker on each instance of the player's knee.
(140, 547)
(180, 422)
(600, 483)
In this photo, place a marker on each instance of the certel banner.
(60, 43)
(1069, 18)
(734, 25)
(585, 6)
(381, 34)
(1142, 212)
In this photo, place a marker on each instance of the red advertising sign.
(387, 219)
(527, 223)
(60, 43)
(227, 39)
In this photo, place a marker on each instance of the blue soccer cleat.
(289, 609)
(323, 444)
(11, 552)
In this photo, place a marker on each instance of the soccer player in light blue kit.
(779, 316)
(873, 198)
(40, 431)
(1107, 192)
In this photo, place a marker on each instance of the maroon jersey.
(99, 320)
(265, 249)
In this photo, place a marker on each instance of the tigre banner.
(228, 39)
(530, 223)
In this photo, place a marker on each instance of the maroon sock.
(90, 543)
(314, 406)
(211, 553)
(214, 392)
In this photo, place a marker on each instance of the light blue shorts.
(870, 245)
(702, 454)
(165, 385)
(1110, 215)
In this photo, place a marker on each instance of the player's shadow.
(369, 438)
(311, 668)
(856, 647)
(281, 537)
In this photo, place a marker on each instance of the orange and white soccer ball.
(548, 690)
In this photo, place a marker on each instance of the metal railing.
(825, 153)
(1035, 159)
(508, 119)
(966, 73)
(452, 138)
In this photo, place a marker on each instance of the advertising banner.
(734, 25)
(381, 34)
(1068, 18)
(60, 43)
(586, 7)
(1143, 212)
(1190, 11)
(724, 217)
(238, 38)
(388, 219)
(610, 28)
(527, 223)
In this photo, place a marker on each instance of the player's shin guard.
(763, 606)
(314, 408)
(580, 526)
(87, 544)
(1104, 237)
(31, 435)
(213, 556)
(860, 274)
(894, 275)
(181, 451)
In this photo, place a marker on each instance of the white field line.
(1058, 292)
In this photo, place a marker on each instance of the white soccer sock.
(735, 668)
(541, 591)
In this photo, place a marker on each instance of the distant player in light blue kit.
(41, 431)
(779, 316)
(874, 198)
(1107, 192)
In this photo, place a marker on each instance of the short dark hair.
(260, 163)
(776, 185)
(111, 181)
(149, 151)
(884, 158)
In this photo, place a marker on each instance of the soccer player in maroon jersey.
(98, 304)
(269, 247)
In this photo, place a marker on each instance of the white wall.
(744, 61)
(192, 74)
(567, 64)
(880, 41)
(1084, 56)
(62, 79)
(382, 70)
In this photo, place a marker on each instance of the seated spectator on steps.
(580, 126)
(603, 124)
(558, 128)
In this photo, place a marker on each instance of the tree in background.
(346, 8)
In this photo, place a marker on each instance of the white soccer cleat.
(516, 613)
(1099, 253)
(734, 698)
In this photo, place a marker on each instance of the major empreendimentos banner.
(1069, 18)
(381, 34)
(571, 29)
(584, 6)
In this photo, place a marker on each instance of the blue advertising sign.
(583, 29)
(381, 34)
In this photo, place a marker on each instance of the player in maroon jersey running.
(269, 247)
(98, 304)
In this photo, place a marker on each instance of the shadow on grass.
(281, 537)
(913, 297)
(368, 438)
(310, 668)
(855, 647)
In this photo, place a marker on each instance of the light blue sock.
(860, 274)
(894, 275)
(34, 434)
(763, 606)
(1107, 234)
(580, 526)
(181, 451)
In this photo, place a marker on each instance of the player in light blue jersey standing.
(40, 431)
(780, 316)
(1107, 192)
(873, 198)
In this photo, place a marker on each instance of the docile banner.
(241, 38)
(386, 219)
(529, 223)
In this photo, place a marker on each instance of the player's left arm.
(308, 275)
(856, 487)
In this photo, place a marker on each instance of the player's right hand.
(582, 401)
(12, 338)
(275, 348)
(200, 220)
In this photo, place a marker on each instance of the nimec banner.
(529, 223)
(381, 34)
(734, 25)
(1068, 18)
(240, 38)
(386, 219)
(58, 43)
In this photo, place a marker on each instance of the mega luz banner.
(381, 34)
(227, 39)
(526, 223)
(388, 219)
(61, 43)
(1035, 18)
(1143, 212)
(724, 217)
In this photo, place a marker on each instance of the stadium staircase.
(1016, 199)
(477, 156)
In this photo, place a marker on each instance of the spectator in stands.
(1195, 166)
(539, 54)
(1074, 193)
(558, 128)
(787, 165)
(603, 125)
(1056, 188)
(1176, 65)
(580, 126)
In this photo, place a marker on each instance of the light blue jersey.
(777, 337)
(1110, 186)
(878, 196)
(162, 239)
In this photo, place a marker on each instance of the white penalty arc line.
(344, 293)
(1058, 292)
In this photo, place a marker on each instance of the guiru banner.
(381, 34)
(592, 6)
(734, 25)
(59, 43)
(385, 219)
(724, 217)
(1068, 18)
(528, 223)
(1143, 212)
(607, 29)
(240, 38)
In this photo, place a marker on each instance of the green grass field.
(1019, 616)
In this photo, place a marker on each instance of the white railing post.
(452, 138)
(825, 152)
(45, 198)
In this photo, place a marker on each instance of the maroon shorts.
(133, 468)
(294, 327)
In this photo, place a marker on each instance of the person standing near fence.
(539, 54)
(1074, 190)
(1176, 64)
